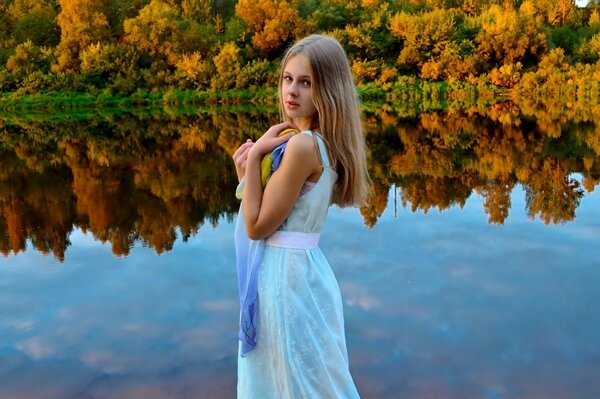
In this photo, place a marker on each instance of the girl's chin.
(298, 115)
(299, 118)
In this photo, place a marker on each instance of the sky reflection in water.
(442, 305)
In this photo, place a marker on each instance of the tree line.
(127, 46)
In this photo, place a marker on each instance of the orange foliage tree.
(272, 22)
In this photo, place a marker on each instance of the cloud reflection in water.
(442, 305)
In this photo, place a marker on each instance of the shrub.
(106, 60)
(257, 73)
(194, 69)
(228, 67)
(29, 58)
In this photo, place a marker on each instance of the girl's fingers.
(282, 139)
(243, 156)
(241, 159)
(243, 148)
(276, 129)
(287, 136)
(276, 141)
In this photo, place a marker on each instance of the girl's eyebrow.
(298, 77)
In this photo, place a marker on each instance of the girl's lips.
(291, 104)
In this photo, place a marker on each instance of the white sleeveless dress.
(301, 346)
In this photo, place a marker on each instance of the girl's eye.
(306, 82)
(287, 78)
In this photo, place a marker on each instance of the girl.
(292, 327)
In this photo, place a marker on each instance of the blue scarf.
(249, 255)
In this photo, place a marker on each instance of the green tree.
(107, 61)
(117, 11)
(6, 24)
(365, 34)
(197, 10)
(35, 20)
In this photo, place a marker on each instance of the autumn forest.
(124, 47)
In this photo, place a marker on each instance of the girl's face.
(296, 90)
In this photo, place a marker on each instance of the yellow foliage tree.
(27, 58)
(561, 12)
(507, 75)
(82, 22)
(155, 29)
(20, 9)
(424, 35)
(594, 18)
(194, 68)
(507, 37)
(364, 70)
(553, 12)
(228, 67)
(451, 63)
(169, 29)
(594, 45)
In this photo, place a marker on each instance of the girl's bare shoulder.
(302, 144)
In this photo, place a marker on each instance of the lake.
(474, 272)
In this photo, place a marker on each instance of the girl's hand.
(270, 140)
(240, 156)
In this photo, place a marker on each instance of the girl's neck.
(304, 123)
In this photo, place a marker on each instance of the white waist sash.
(293, 240)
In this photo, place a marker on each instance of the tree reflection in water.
(145, 177)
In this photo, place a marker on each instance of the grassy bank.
(410, 92)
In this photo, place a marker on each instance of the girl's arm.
(265, 211)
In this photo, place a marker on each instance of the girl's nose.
(292, 89)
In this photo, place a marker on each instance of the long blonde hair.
(336, 99)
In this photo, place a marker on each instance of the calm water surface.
(118, 277)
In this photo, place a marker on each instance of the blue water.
(437, 305)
